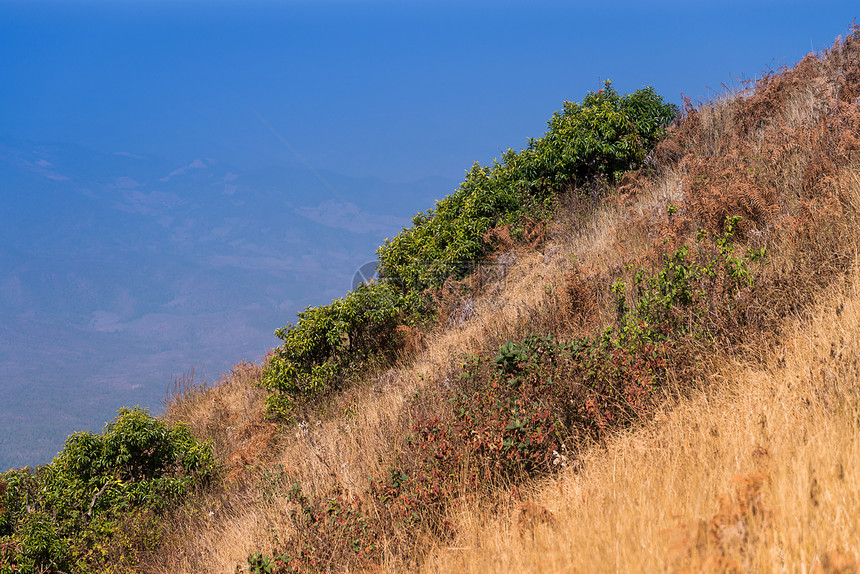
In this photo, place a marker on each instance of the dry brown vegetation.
(748, 464)
(758, 473)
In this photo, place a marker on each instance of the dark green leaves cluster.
(60, 516)
(600, 138)
(320, 351)
(603, 137)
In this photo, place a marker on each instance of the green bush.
(64, 515)
(602, 137)
(327, 344)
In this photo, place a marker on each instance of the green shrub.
(329, 343)
(601, 138)
(65, 515)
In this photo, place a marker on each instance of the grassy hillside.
(631, 346)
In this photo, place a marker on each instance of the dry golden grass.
(248, 514)
(759, 473)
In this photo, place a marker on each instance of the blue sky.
(179, 178)
(399, 89)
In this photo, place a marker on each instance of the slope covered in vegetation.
(586, 144)
(630, 346)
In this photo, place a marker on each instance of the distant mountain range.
(120, 271)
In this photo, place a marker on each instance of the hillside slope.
(651, 372)
(759, 352)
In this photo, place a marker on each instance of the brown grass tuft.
(530, 515)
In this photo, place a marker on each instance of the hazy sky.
(401, 89)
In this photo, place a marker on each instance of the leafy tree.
(326, 344)
(54, 517)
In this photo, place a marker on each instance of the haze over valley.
(161, 269)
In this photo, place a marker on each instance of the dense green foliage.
(99, 497)
(601, 138)
(323, 349)
(598, 139)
